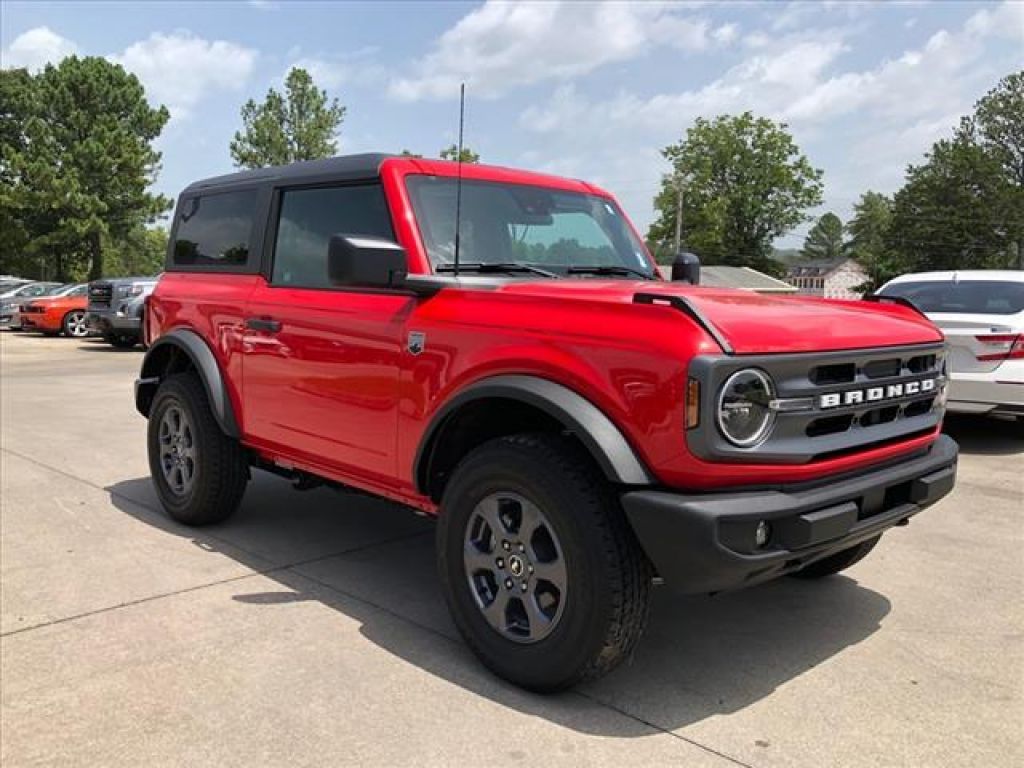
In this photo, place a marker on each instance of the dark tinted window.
(215, 229)
(308, 219)
(976, 297)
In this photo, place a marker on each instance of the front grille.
(100, 294)
(28, 309)
(829, 404)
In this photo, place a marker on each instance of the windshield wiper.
(482, 267)
(607, 269)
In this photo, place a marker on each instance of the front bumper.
(706, 543)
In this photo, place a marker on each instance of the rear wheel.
(542, 573)
(74, 324)
(837, 562)
(199, 473)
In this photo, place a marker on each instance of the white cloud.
(870, 120)
(180, 69)
(331, 71)
(36, 48)
(500, 46)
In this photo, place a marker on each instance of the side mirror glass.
(686, 268)
(367, 262)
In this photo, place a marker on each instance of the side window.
(214, 230)
(309, 217)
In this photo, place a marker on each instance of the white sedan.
(981, 313)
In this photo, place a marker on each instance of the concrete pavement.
(309, 630)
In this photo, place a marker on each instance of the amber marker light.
(692, 403)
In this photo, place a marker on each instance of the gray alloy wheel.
(177, 451)
(515, 567)
(75, 325)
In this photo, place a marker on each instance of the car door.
(320, 363)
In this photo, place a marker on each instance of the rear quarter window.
(215, 231)
(974, 297)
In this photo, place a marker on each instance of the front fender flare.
(599, 435)
(192, 345)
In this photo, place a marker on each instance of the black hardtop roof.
(365, 166)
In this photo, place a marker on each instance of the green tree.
(17, 107)
(869, 232)
(300, 124)
(141, 251)
(955, 211)
(744, 183)
(452, 153)
(999, 128)
(78, 174)
(825, 240)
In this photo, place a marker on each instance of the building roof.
(817, 267)
(744, 278)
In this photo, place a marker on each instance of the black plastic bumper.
(113, 322)
(707, 542)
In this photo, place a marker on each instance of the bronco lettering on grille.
(876, 394)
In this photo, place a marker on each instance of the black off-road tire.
(221, 469)
(840, 561)
(608, 575)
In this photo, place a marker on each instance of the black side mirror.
(686, 268)
(367, 262)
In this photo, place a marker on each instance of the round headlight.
(744, 414)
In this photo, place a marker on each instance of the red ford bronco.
(496, 348)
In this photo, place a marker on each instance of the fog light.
(763, 532)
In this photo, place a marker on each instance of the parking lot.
(310, 629)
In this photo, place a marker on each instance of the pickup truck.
(496, 349)
(114, 309)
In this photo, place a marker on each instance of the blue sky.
(591, 91)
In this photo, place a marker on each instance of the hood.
(755, 323)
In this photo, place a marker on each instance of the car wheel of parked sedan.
(74, 324)
(542, 573)
(200, 473)
(837, 562)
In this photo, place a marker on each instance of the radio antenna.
(458, 176)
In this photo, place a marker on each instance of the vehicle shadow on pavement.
(101, 346)
(373, 562)
(985, 435)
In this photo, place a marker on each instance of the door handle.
(263, 324)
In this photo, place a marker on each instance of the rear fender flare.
(192, 345)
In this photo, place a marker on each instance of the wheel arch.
(178, 351)
(510, 404)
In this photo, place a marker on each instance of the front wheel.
(542, 573)
(199, 472)
(840, 561)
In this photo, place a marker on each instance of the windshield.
(503, 223)
(976, 297)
